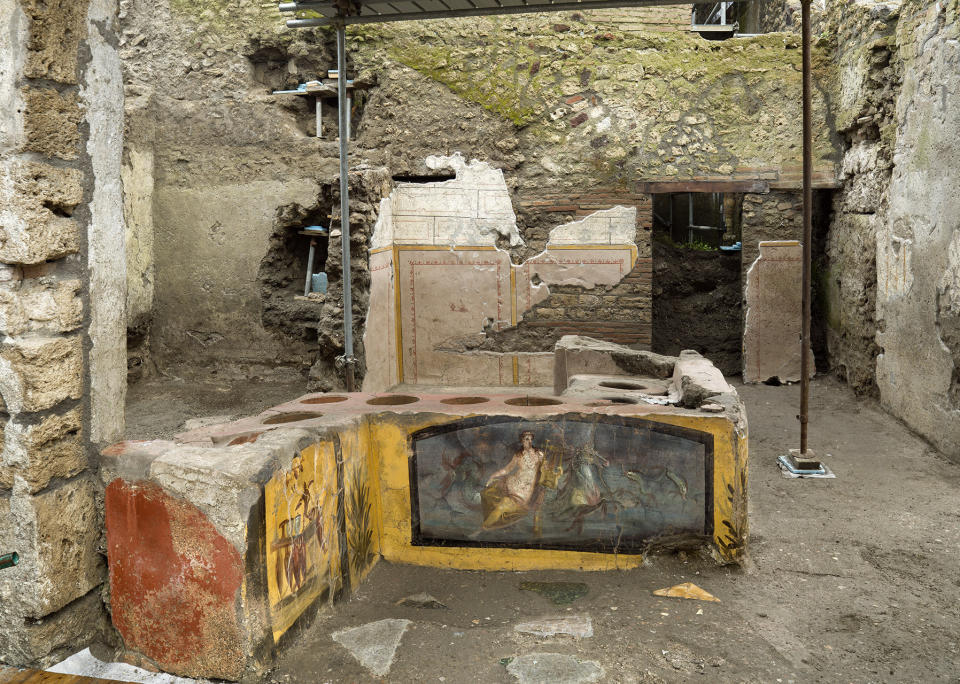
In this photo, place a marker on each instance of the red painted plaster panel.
(175, 583)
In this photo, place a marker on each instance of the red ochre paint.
(174, 582)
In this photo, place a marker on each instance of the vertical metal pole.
(319, 107)
(307, 284)
(345, 205)
(807, 226)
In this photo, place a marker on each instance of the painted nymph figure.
(517, 488)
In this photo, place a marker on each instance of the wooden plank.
(663, 187)
(17, 676)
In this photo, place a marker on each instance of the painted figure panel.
(609, 484)
(302, 540)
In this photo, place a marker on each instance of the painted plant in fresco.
(610, 484)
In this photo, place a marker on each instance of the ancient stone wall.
(579, 108)
(869, 75)
(666, 19)
(918, 246)
(778, 15)
(777, 215)
(62, 278)
(889, 276)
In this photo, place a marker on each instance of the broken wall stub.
(774, 315)
(62, 291)
(441, 285)
(777, 215)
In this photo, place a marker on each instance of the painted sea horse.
(584, 490)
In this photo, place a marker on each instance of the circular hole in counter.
(462, 401)
(332, 399)
(621, 400)
(393, 400)
(532, 401)
(622, 385)
(291, 417)
(248, 438)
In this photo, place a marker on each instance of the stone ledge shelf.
(225, 542)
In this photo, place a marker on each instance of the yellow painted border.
(397, 322)
(391, 432)
(514, 304)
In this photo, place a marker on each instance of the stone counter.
(224, 542)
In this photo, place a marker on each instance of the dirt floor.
(158, 407)
(853, 579)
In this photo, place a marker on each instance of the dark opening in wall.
(697, 296)
(820, 313)
(722, 20)
(699, 220)
(435, 178)
(283, 273)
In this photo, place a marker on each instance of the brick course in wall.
(619, 313)
(642, 19)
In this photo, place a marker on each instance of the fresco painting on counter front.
(608, 484)
(302, 541)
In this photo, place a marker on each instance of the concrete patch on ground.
(85, 664)
(374, 645)
(579, 626)
(554, 668)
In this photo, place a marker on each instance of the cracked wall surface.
(887, 280)
(444, 289)
(917, 246)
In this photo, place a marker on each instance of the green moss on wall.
(683, 104)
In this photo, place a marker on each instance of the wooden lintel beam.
(664, 187)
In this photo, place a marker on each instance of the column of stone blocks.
(50, 510)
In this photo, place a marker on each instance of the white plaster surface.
(85, 664)
(554, 668)
(102, 95)
(918, 250)
(472, 209)
(13, 37)
(616, 226)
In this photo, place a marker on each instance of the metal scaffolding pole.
(807, 228)
(344, 127)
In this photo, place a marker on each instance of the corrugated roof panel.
(460, 4)
(367, 11)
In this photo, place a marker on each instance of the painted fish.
(679, 481)
(636, 477)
